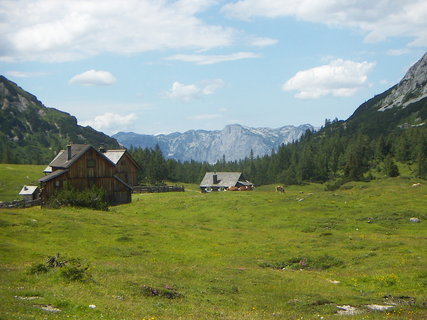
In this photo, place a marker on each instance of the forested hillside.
(33, 133)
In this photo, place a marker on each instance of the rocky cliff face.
(234, 142)
(412, 88)
(402, 106)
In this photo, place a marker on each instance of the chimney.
(215, 178)
(102, 149)
(69, 152)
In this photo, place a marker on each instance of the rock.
(334, 281)
(415, 220)
(26, 298)
(92, 306)
(348, 310)
(378, 307)
(47, 307)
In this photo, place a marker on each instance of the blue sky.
(163, 66)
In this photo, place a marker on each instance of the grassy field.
(14, 176)
(228, 255)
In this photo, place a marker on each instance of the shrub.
(70, 269)
(93, 197)
(317, 263)
(38, 268)
(75, 273)
(166, 292)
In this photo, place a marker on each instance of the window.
(91, 163)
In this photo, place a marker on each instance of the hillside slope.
(33, 133)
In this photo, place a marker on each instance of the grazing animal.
(233, 189)
(280, 189)
(415, 185)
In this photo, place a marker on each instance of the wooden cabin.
(82, 166)
(221, 181)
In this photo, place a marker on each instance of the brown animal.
(233, 189)
(280, 189)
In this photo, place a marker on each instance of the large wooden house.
(82, 166)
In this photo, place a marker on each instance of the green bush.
(38, 268)
(93, 197)
(70, 269)
(311, 263)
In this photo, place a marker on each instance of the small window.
(57, 183)
(90, 163)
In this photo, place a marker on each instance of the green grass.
(228, 255)
(14, 176)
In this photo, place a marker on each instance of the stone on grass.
(415, 220)
(378, 307)
(348, 310)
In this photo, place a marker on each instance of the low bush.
(317, 263)
(166, 292)
(93, 197)
(70, 269)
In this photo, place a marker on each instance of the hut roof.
(52, 175)
(224, 179)
(123, 182)
(116, 155)
(28, 190)
(77, 150)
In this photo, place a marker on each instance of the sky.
(159, 66)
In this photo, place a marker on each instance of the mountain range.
(234, 142)
(33, 133)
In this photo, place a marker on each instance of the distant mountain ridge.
(234, 142)
(33, 133)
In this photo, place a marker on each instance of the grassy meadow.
(226, 255)
(14, 176)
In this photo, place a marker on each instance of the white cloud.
(263, 42)
(201, 59)
(183, 92)
(93, 78)
(378, 19)
(180, 91)
(23, 74)
(340, 78)
(205, 117)
(398, 52)
(210, 86)
(110, 122)
(47, 30)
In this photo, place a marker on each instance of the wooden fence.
(19, 204)
(156, 189)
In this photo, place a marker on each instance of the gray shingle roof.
(52, 175)
(224, 179)
(77, 150)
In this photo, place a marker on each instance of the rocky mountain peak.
(234, 142)
(412, 87)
